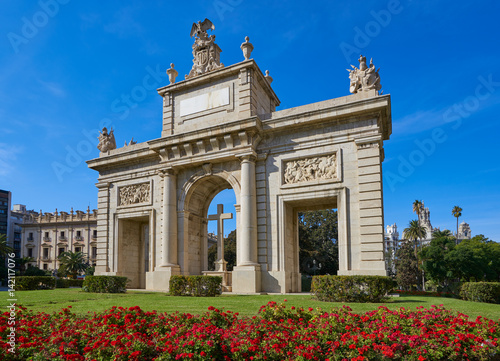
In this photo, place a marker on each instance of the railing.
(46, 239)
(78, 238)
(30, 239)
(63, 238)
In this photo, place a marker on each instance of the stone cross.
(220, 217)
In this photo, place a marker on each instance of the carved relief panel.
(311, 169)
(134, 194)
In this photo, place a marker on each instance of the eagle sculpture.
(201, 27)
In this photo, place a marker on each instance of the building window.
(30, 252)
(45, 267)
(60, 251)
(17, 245)
(62, 234)
(95, 233)
(78, 249)
(45, 253)
(30, 236)
(46, 235)
(78, 233)
(94, 252)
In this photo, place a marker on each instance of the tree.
(414, 232)
(435, 263)
(22, 262)
(318, 234)
(5, 249)
(407, 273)
(417, 206)
(73, 263)
(442, 234)
(456, 212)
(229, 252)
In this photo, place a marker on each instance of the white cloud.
(8, 158)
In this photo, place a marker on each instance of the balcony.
(79, 238)
(46, 239)
(46, 258)
(30, 239)
(94, 236)
(63, 238)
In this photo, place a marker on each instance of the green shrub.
(105, 284)
(351, 288)
(24, 283)
(34, 271)
(197, 286)
(65, 283)
(481, 292)
(61, 283)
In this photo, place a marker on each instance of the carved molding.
(134, 194)
(310, 169)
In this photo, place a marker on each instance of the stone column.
(169, 237)
(160, 277)
(246, 276)
(248, 222)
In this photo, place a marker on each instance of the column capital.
(166, 172)
(248, 157)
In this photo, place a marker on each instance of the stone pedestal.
(246, 279)
(159, 280)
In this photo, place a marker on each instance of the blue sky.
(66, 66)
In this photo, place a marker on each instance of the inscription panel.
(207, 101)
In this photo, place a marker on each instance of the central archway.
(196, 196)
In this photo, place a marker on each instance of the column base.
(246, 279)
(159, 279)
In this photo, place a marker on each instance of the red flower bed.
(277, 333)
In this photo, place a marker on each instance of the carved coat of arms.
(364, 78)
(206, 54)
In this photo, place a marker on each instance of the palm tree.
(22, 262)
(73, 262)
(5, 249)
(414, 232)
(457, 212)
(417, 205)
(442, 234)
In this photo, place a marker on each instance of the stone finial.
(268, 77)
(247, 48)
(365, 78)
(172, 73)
(71, 211)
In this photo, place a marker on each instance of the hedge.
(481, 292)
(197, 286)
(105, 284)
(65, 283)
(25, 283)
(351, 288)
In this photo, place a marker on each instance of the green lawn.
(83, 302)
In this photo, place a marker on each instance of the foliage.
(414, 232)
(229, 252)
(24, 283)
(66, 283)
(442, 234)
(456, 212)
(436, 265)
(21, 264)
(197, 286)
(73, 263)
(481, 292)
(105, 284)
(90, 271)
(407, 273)
(5, 249)
(351, 288)
(277, 333)
(318, 234)
(34, 271)
(417, 206)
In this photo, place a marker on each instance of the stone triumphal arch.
(221, 131)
